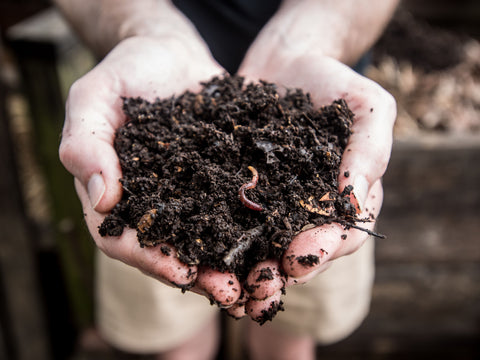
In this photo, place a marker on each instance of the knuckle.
(391, 106)
(76, 89)
(104, 249)
(380, 155)
(388, 102)
(66, 152)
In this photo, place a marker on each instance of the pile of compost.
(230, 174)
(434, 74)
(426, 47)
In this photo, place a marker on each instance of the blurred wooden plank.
(418, 311)
(45, 28)
(38, 45)
(418, 299)
(401, 348)
(13, 11)
(431, 208)
(425, 301)
(22, 321)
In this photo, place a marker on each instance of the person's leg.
(137, 314)
(201, 346)
(266, 343)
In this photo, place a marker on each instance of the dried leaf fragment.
(146, 220)
(326, 197)
(310, 207)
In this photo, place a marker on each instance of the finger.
(304, 279)
(93, 112)
(368, 150)
(221, 288)
(310, 250)
(264, 310)
(264, 280)
(237, 311)
(159, 262)
(353, 239)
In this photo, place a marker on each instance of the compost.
(230, 174)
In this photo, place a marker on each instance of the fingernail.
(96, 189)
(360, 190)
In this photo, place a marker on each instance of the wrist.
(102, 24)
(179, 48)
(160, 20)
(343, 31)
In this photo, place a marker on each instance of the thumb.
(86, 149)
(368, 151)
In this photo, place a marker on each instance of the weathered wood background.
(426, 298)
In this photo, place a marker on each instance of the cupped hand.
(363, 164)
(150, 68)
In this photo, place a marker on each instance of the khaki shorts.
(138, 314)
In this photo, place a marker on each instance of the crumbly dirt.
(185, 159)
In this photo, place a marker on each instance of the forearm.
(342, 29)
(104, 23)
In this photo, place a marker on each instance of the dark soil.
(184, 160)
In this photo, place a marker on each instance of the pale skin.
(154, 51)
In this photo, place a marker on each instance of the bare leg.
(202, 346)
(265, 343)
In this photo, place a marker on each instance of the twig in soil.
(357, 219)
(251, 185)
(243, 244)
(127, 189)
(313, 125)
(369, 232)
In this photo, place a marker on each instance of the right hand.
(365, 158)
(138, 66)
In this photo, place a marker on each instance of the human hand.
(364, 162)
(147, 67)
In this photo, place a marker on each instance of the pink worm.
(251, 185)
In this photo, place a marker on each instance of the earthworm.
(250, 185)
